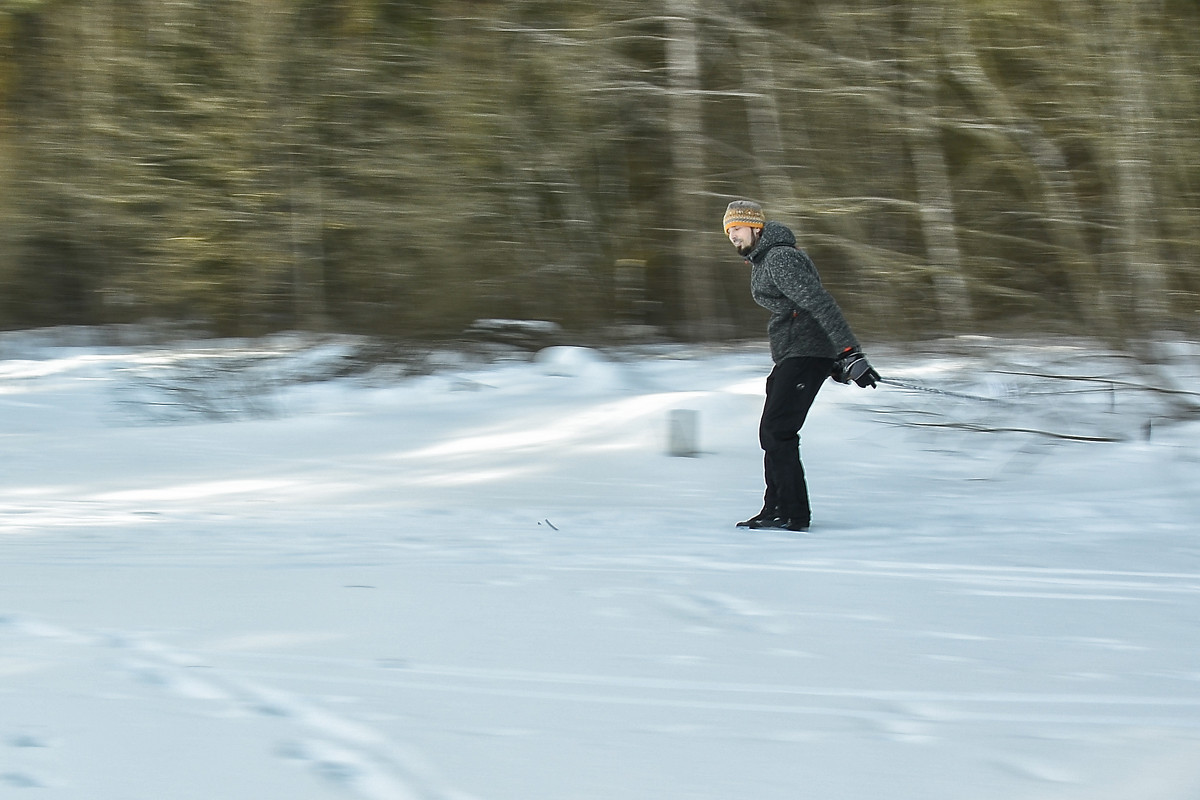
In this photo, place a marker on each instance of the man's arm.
(797, 278)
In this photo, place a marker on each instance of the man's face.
(743, 238)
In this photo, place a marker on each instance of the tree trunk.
(1132, 144)
(763, 118)
(1062, 212)
(695, 268)
(931, 173)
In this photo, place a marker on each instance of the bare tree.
(1004, 132)
(1132, 138)
(935, 194)
(703, 319)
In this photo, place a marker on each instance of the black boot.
(761, 519)
(796, 524)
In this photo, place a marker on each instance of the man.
(810, 341)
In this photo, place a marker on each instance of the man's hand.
(852, 365)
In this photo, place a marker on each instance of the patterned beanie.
(744, 212)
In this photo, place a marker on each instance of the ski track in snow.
(349, 753)
(335, 748)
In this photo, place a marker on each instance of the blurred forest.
(403, 167)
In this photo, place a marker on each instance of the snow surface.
(223, 579)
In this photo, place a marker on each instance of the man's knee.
(778, 440)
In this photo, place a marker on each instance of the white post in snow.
(682, 439)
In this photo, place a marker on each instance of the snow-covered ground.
(491, 581)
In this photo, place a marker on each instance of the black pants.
(791, 389)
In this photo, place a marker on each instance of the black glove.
(852, 365)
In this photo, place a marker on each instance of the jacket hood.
(774, 234)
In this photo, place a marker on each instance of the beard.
(747, 249)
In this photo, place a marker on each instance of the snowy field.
(224, 579)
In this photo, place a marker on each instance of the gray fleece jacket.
(805, 319)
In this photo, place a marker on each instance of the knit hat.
(744, 212)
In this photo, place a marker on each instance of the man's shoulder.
(775, 234)
(781, 254)
(777, 241)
